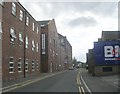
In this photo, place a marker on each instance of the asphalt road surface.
(77, 80)
(62, 82)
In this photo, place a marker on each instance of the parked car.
(71, 68)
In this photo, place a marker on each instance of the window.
(27, 21)
(12, 35)
(19, 65)
(33, 45)
(26, 65)
(33, 28)
(37, 47)
(62, 42)
(54, 42)
(37, 65)
(43, 43)
(107, 69)
(26, 42)
(11, 65)
(1, 2)
(37, 30)
(21, 15)
(33, 66)
(20, 38)
(13, 8)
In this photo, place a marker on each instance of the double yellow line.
(80, 88)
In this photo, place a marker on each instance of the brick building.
(20, 42)
(49, 46)
(65, 53)
(62, 52)
(68, 54)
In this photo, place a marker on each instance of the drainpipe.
(24, 42)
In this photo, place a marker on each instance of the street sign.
(107, 52)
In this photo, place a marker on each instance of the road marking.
(15, 86)
(85, 84)
(81, 90)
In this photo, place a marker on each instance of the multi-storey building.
(68, 54)
(65, 53)
(49, 46)
(20, 42)
(62, 52)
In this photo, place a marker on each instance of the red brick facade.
(65, 53)
(49, 59)
(14, 52)
(30, 47)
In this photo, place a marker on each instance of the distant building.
(20, 42)
(110, 35)
(65, 53)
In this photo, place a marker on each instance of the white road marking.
(86, 85)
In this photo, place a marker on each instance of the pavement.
(113, 80)
(108, 84)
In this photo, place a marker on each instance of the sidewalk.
(101, 84)
(114, 80)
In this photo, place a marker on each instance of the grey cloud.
(83, 21)
(55, 9)
(101, 8)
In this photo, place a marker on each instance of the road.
(77, 80)
(62, 82)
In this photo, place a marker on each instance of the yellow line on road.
(81, 89)
(12, 87)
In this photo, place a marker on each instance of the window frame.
(26, 42)
(21, 15)
(11, 67)
(26, 67)
(27, 21)
(37, 30)
(33, 26)
(20, 67)
(33, 45)
(20, 38)
(33, 65)
(12, 35)
(37, 47)
(14, 8)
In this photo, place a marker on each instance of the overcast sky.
(81, 22)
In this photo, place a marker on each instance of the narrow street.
(77, 81)
(62, 82)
